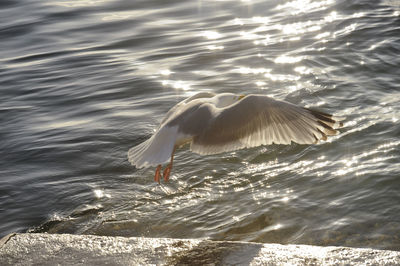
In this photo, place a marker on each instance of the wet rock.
(66, 249)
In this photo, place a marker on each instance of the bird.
(216, 123)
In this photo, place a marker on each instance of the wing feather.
(259, 120)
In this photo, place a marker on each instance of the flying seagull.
(215, 123)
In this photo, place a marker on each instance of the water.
(83, 81)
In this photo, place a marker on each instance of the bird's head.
(226, 99)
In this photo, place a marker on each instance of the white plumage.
(225, 122)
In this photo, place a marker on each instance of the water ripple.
(83, 81)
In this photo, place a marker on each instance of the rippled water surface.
(83, 81)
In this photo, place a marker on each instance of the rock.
(65, 249)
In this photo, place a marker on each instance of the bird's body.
(216, 123)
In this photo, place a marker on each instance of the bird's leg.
(168, 169)
(157, 176)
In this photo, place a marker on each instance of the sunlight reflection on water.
(84, 81)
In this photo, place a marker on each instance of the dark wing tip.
(327, 122)
(330, 120)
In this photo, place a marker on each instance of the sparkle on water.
(83, 81)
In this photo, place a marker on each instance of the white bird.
(216, 123)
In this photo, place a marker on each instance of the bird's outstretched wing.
(260, 120)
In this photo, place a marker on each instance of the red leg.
(167, 170)
(157, 176)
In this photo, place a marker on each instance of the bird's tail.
(154, 151)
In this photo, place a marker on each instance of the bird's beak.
(241, 96)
